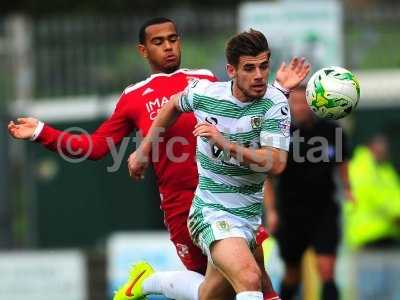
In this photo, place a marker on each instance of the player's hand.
(290, 76)
(272, 220)
(137, 164)
(23, 128)
(211, 132)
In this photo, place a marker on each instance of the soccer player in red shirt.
(137, 107)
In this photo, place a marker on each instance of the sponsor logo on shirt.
(212, 120)
(153, 106)
(284, 110)
(284, 126)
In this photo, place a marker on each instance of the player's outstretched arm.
(289, 76)
(91, 146)
(138, 161)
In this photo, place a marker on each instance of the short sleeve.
(275, 128)
(189, 97)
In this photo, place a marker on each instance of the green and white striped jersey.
(224, 182)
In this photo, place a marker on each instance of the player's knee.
(249, 279)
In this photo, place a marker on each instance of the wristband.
(37, 131)
(281, 88)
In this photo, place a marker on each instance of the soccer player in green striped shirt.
(242, 135)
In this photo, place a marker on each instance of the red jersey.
(137, 108)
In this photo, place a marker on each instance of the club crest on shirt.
(222, 226)
(256, 122)
(183, 250)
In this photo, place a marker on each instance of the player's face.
(162, 48)
(250, 76)
(299, 108)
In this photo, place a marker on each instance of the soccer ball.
(333, 93)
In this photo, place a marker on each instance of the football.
(333, 92)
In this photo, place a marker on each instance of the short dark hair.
(153, 21)
(250, 43)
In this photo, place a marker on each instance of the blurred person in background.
(372, 223)
(305, 213)
(374, 220)
(160, 45)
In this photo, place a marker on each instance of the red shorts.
(176, 208)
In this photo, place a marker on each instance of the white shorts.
(208, 223)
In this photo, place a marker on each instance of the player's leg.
(325, 243)
(233, 258)
(175, 219)
(215, 286)
(290, 283)
(167, 283)
(183, 285)
(225, 238)
(326, 267)
(292, 242)
(190, 255)
(261, 236)
(267, 288)
(179, 284)
(211, 228)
